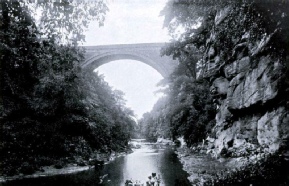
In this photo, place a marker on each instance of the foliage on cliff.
(191, 22)
(220, 31)
(186, 110)
(224, 34)
(50, 108)
(205, 31)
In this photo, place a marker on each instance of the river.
(150, 158)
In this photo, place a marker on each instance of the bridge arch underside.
(97, 61)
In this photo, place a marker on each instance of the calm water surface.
(150, 158)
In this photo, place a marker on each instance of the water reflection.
(150, 158)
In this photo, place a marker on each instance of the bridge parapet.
(148, 53)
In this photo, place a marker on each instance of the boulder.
(273, 129)
(237, 134)
(220, 85)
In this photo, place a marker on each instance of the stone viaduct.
(148, 53)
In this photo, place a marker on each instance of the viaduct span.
(148, 53)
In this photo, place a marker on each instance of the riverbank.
(203, 169)
(201, 166)
(47, 171)
(78, 164)
(66, 169)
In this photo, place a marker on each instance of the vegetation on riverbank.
(64, 167)
(53, 112)
(187, 109)
(270, 169)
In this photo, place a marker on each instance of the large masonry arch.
(148, 53)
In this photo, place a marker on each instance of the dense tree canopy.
(186, 111)
(51, 109)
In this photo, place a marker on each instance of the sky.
(128, 22)
(136, 80)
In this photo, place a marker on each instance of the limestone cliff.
(249, 87)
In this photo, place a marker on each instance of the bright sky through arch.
(128, 22)
(138, 83)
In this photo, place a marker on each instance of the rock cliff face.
(249, 89)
